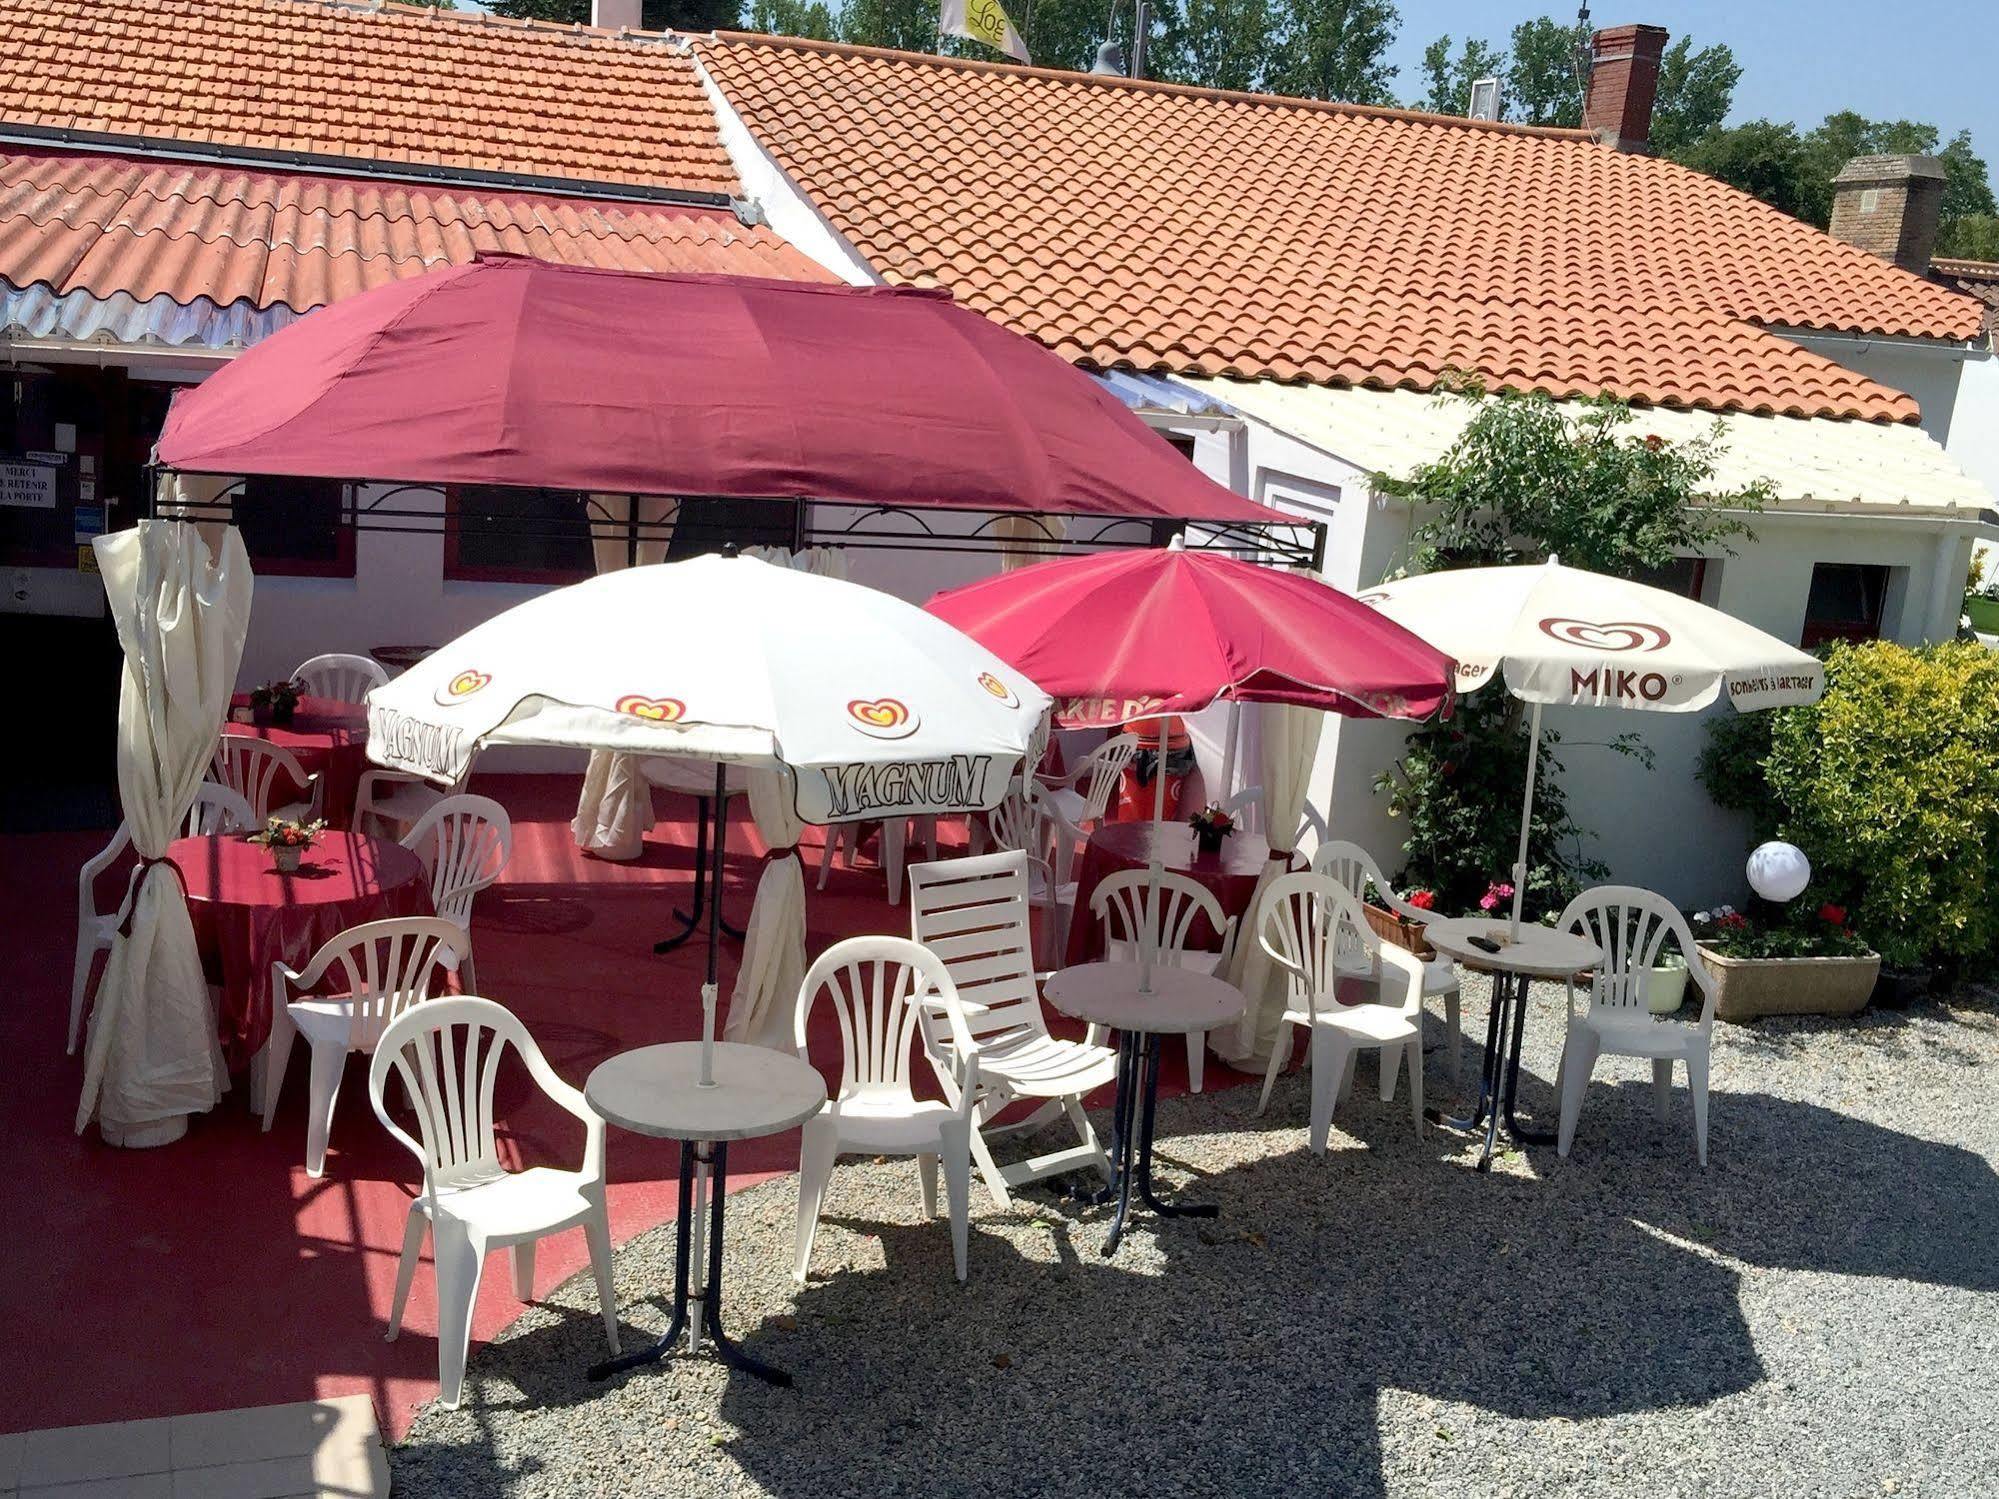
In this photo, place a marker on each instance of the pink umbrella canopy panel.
(1119, 636)
(513, 371)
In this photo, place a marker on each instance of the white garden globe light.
(1779, 871)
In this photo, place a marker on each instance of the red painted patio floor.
(215, 1273)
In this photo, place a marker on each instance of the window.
(297, 528)
(1846, 602)
(709, 525)
(1686, 576)
(503, 535)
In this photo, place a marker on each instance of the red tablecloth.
(330, 739)
(247, 916)
(1230, 874)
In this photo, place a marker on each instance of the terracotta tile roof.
(105, 225)
(389, 83)
(1181, 229)
(1975, 278)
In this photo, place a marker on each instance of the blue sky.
(1935, 60)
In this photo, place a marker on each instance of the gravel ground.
(1816, 1314)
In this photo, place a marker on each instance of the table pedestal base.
(697, 1309)
(1131, 1148)
(690, 921)
(1499, 1077)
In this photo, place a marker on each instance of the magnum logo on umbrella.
(657, 709)
(998, 689)
(883, 717)
(1622, 635)
(462, 686)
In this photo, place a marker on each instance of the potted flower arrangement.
(287, 841)
(1792, 964)
(1211, 825)
(274, 702)
(1393, 926)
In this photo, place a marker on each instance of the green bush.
(1890, 784)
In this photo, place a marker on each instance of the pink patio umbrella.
(1128, 635)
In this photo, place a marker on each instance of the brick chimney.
(615, 14)
(1623, 83)
(1890, 205)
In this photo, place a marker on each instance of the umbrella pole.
(708, 988)
(1148, 936)
(1228, 751)
(1526, 817)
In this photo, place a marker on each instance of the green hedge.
(1890, 784)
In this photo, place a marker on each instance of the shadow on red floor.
(215, 1273)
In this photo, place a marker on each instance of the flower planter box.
(1746, 988)
(1404, 933)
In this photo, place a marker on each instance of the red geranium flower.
(1423, 900)
(1832, 915)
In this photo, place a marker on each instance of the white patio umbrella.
(858, 704)
(1566, 636)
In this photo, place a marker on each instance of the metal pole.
(1156, 870)
(708, 989)
(1526, 817)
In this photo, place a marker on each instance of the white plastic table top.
(1539, 952)
(656, 1090)
(1182, 1000)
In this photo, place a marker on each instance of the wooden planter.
(1746, 988)
(1404, 933)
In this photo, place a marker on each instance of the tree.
(1696, 91)
(1337, 49)
(1767, 160)
(906, 25)
(1449, 79)
(1216, 43)
(655, 15)
(1543, 86)
(808, 18)
(1975, 236)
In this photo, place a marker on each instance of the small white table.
(656, 1091)
(1180, 1002)
(1538, 952)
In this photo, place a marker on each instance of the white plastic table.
(1538, 952)
(1180, 1002)
(656, 1091)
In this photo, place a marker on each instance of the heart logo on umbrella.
(1620, 635)
(998, 689)
(462, 686)
(657, 709)
(882, 717)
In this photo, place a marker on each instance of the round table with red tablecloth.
(248, 916)
(330, 740)
(1230, 874)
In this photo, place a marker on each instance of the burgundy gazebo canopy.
(512, 371)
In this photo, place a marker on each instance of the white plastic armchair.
(216, 809)
(1354, 867)
(447, 1054)
(266, 775)
(1084, 793)
(388, 803)
(343, 678)
(382, 968)
(883, 991)
(1312, 821)
(1631, 926)
(464, 843)
(1246, 806)
(1312, 928)
(1021, 824)
(1132, 918)
(973, 915)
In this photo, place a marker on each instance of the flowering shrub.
(1496, 893)
(1422, 900)
(1821, 934)
(1890, 784)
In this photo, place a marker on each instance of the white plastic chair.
(1631, 926)
(1312, 821)
(846, 836)
(1021, 824)
(1246, 806)
(883, 990)
(266, 775)
(344, 679)
(385, 967)
(1312, 928)
(1354, 867)
(448, 1054)
(973, 915)
(464, 843)
(216, 809)
(388, 803)
(1084, 794)
(1124, 905)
